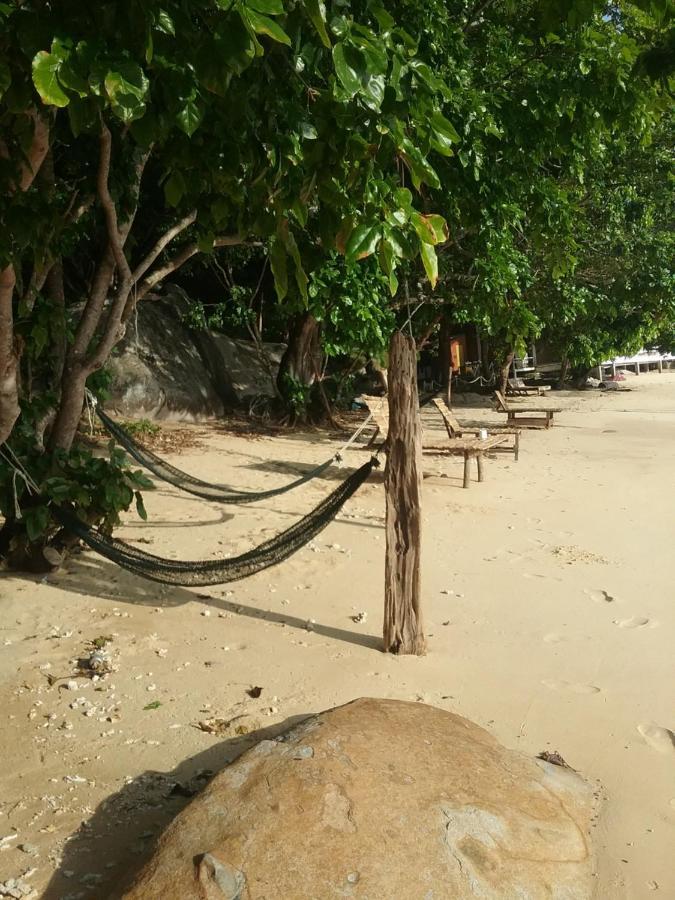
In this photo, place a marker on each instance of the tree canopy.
(494, 162)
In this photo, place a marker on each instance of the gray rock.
(164, 370)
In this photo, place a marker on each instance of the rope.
(351, 440)
(18, 467)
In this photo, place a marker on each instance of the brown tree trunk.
(302, 357)
(444, 355)
(504, 371)
(9, 357)
(564, 369)
(381, 374)
(9, 348)
(70, 408)
(403, 626)
(299, 365)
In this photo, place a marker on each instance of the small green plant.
(141, 428)
(297, 395)
(96, 489)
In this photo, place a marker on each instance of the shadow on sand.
(108, 850)
(92, 576)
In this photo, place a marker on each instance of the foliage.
(350, 302)
(472, 146)
(141, 428)
(546, 94)
(298, 395)
(99, 488)
(621, 295)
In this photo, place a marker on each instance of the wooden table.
(468, 448)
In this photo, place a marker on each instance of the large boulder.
(377, 800)
(164, 370)
(159, 372)
(240, 370)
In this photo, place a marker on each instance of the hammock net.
(204, 489)
(200, 573)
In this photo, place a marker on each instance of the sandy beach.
(549, 614)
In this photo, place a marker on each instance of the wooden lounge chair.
(469, 448)
(455, 430)
(516, 387)
(522, 415)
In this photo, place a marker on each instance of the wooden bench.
(455, 430)
(523, 415)
(469, 448)
(516, 387)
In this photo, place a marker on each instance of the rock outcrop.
(380, 800)
(164, 370)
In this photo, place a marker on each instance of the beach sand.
(549, 611)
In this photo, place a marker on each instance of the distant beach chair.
(469, 448)
(516, 387)
(522, 416)
(455, 430)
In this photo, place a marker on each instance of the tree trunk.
(564, 369)
(381, 374)
(9, 346)
(445, 360)
(302, 357)
(9, 356)
(70, 408)
(299, 364)
(504, 371)
(403, 626)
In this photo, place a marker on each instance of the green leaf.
(140, 506)
(373, 91)
(420, 168)
(431, 229)
(443, 134)
(263, 25)
(70, 79)
(164, 23)
(388, 260)
(384, 20)
(425, 74)
(127, 78)
(348, 64)
(127, 87)
(267, 7)
(174, 189)
(316, 11)
(278, 264)
(363, 241)
(190, 117)
(430, 261)
(292, 248)
(45, 71)
(36, 520)
(154, 705)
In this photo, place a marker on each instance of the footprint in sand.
(658, 738)
(600, 596)
(570, 687)
(633, 622)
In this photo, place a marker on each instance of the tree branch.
(185, 253)
(98, 293)
(163, 242)
(109, 209)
